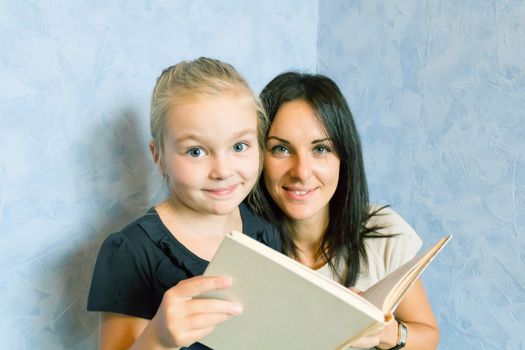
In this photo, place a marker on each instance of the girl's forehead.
(205, 93)
(212, 117)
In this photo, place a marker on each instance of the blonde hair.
(188, 81)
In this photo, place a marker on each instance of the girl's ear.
(155, 153)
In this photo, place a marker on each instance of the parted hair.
(189, 81)
(349, 206)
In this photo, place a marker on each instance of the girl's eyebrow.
(200, 137)
(247, 131)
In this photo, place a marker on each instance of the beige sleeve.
(386, 254)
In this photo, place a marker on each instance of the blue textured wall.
(438, 90)
(75, 83)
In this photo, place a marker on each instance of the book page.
(387, 293)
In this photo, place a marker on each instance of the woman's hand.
(389, 335)
(415, 312)
(382, 336)
(370, 340)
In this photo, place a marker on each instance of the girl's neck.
(201, 233)
(182, 219)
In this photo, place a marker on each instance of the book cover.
(289, 306)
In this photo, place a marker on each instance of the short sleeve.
(404, 243)
(120, 280)
(385, 254)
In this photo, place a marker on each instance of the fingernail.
(227, 281)
(237, 310)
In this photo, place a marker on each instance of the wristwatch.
(402, 335)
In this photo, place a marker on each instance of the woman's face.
(301, 168)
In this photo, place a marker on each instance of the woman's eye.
(322, 149)
(195, 152)
(239, 147)
(279, 149)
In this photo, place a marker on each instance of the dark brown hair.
(349, 206)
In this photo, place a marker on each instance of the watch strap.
(402, 335)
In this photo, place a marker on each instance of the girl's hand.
(182, 320)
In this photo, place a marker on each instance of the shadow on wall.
(113, 187)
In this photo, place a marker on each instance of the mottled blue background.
(437, 89)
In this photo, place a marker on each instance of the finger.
(355, 290)
(202, 321)
(213, 306)
(190, 337)
(366, 342)
(201, 284)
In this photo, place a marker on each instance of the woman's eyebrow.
(321, 140)
(278, 139)
(313, 142)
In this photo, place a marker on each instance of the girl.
(207, 128)
(315, 186)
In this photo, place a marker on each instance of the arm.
(415, 312)
(179, 321)
(119, 331)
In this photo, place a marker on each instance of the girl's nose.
(221, 168)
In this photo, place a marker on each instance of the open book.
(289, 306)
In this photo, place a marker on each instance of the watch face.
(403, 334)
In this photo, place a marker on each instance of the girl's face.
(211, 153)
(301, 168)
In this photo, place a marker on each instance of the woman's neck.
(307, 236)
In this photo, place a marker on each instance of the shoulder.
(128, 270)
(133, 247)
(400, 242)
(135, 236)
(259, 229)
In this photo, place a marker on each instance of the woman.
(314, 182)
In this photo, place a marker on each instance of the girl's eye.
(240, 147)
(321, 149)
(196, 152)
(280, 149)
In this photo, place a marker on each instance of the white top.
(383, 254)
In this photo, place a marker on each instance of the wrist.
(151, 337)
(399, 339)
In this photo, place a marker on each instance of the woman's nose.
(301, 167)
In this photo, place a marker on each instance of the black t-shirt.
(138, 264)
